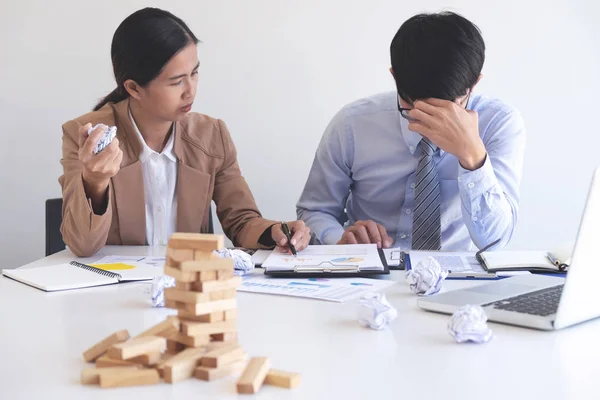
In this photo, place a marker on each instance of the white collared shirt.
(160, 177)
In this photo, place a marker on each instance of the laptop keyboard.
(541, 302)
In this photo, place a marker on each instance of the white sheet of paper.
(458, 264)
(335, 289)
(365, 256)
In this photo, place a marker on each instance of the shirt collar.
(146, 150)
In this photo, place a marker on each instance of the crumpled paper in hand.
(109, 134)
(426, 277)
(375, 311)
(157, 293)
(242, 261)
(469, 324)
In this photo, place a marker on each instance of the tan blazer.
(207, 170)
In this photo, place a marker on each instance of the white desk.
(42, 336)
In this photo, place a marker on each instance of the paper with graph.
(364, 256)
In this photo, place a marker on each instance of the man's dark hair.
(436, 55)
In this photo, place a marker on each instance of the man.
(431, 166)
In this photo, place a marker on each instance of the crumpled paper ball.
(242, 261)
(109, 134)
(375, 311)
(426, 277)
(469, 324)
(157, 293)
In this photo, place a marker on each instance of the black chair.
(54, 240)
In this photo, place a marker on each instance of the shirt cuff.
(476, 183)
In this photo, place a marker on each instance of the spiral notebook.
(75, 275)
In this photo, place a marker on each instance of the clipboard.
(331, 270)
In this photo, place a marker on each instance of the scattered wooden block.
(136, 377)
(211, 374)
(160, 366)
(220, 264)
(196, 241)
(182, 365)
(207, 328)
(200, 255)
(137, 347)
(222, 356)
(254, 375)
(212, 286)
(193, 297)
(189, 340)
(102, 347)
(163, 329)
(106, 362)
(218, 316)
(229, 337)
(288, 380)
(177, 256)
(91, 376)
(181, 276)
(174, 347)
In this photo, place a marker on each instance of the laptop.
(542, 301)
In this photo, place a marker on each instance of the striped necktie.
(426, 234)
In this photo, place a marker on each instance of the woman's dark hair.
(141, 47)
(436, 55)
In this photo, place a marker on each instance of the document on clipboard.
(352, 259)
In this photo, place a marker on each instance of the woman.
(160, 173)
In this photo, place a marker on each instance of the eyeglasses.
(404, 111)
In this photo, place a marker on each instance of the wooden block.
(163, 329)
(288, 380)
(181, 276)
(91, 376)
(254, 375)
(204, 276)
(211, 374)
(160, 366)
(221, 264)
(136, 377)
(197, 241)
(102, 347)
(137, 347)
(222, 356)
(106, 362)
(177, 256)
(218, 316)
(193, 297)
(174, 347)
(182, 365)
(200, 255)
(183, 285)
(230, 337)
(223, 275)
(203, 308)
(191, 340)
(208, 328)
(212, 286)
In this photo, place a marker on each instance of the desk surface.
(44, 334)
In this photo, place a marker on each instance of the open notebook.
(75, 275)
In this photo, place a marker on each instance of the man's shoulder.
(374, 104)
(492, 107)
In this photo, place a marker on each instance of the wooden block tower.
(200, 341)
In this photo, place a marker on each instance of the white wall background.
(276, 72)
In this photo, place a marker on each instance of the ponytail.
(117, 95)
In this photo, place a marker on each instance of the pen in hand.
(286, 231)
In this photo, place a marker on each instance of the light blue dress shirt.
(365, 168)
